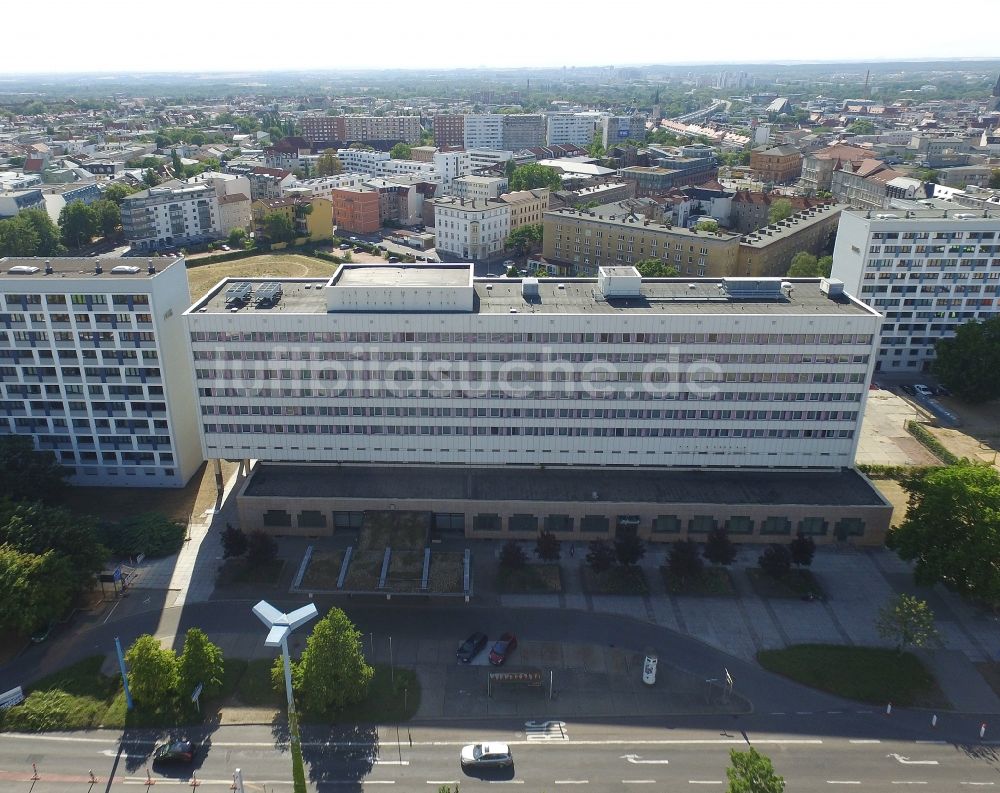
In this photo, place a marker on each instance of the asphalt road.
(653, 757)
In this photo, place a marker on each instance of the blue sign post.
(121, 664)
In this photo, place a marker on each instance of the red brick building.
(356, 209)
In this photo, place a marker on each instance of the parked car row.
(476, 643)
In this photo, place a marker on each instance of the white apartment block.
(928, 271)
(450, 165)
(360, 161)
(487, 158)
(479, 188)
(94, 366)
(425, 170)
(171, 214)
(223, 183)
(483, 131)
(575, 128)
(323, 186)
(423, 364)
(473, 230)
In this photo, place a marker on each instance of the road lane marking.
(778, 713)
(803, 713)
(834, 712)
(506, 781)
(908, 761)
(865, 740)
(572, 781)
(934, 743)
(638, 781)
(634, 758)
(391, 762)
(705, 782)
(545, 731)
(907, 782)
(843, 781)
(977, 783)
(442, 781)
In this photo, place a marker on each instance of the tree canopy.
(780, 209)
(862, 127)
(907, 621)
(278, 227)
(328, 164)
(200, 662)
(952, 529)
(35, 588)
(752, 772)
(806, 265)
(525, 239)
(532, 176)
(969, 362)
(656, 268)
(26, 473)
(152, 672)
(30, 232)
(400, 151)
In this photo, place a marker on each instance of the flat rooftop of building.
(83, 267)
(570, 484)
(555, 296)
(942, 211)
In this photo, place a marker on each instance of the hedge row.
(897, 472)
(933, 445)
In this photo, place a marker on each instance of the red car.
(503, 647)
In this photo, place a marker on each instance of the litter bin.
(649, 668)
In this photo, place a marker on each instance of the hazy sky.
(209, 35)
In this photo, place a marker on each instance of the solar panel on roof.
(269, 293)
(238, 293)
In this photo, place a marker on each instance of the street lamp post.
(281, 625)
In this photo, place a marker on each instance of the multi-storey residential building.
(360, 128)
(323, 128)
(449, 130)
(484, 131)
(17, 200)
(522, 131)
(400, 202)
(287, 153)
(223, 183)
(323, 186)
(421, 383)
(235, 213)
(269, 183)
(478, 188)
(487, 158)
(361, 161)
(866, 186)
(615, 129)
(311, 219)
(470, 229)
(526, 206)
(818, 166)
(576, 128)
(94, 366)
(928, 271)
(450, 165)
(173, 213)
(750, 211)
(654, 180)
(769, 251)
(614, 235)
(356, 210)
(776, 164)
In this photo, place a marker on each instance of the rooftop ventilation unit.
(963, 215)
(238, 293)
(124, 269)
(619, 282)
(752, 288)
(22, 269)
(529, 289)
(887, 216)
(268, 294)
(831, 287)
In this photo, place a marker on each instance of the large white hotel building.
(927, 270)
(94, 366)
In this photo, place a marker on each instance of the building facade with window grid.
(928, 271)
(423, 364)
(94, 367)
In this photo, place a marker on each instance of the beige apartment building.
(526, 206)
(769, 250)
(612, 235)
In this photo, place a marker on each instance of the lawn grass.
(406, 569)
(447, 571)
(711, 582)
(75, 698)
(867, 674)
(289, 265)
(796, 585)
(364, 570)
(616, 581)
(323, 570)
(238, 571)
(384, 703)
(531, 579)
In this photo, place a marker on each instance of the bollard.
(888, 709)
(934, 720)
(982, 730)
(93, 779)
(34, 773)
(149, 778)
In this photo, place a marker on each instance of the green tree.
(629, 547)
(175, 162)
(600, 556)
(684, 562)
(533, 175)
(47, 232)
(952, 529)
(547, 547)
(512, 555)
(508, 169)
(200, 662)
(776, 560)
(596, 147)
(802, 549)
(237, 238)
(77, 225)
(525, 239)
(35, 589)
(278, 227)
(926, 175)
(862, 127)
(107, 217)
(262, 549)
(719, 549)
(329, 164)
(968, 363)
(709, 226)
(907, 621)
(18, 237)
(804, 265)
(234, 541)
(656, 268)
(152, 672)
(162, 141)
(26, 472)
(400, 151)
(752, 772)
(995, 179)
(332, 672)
(824, 265)
(151, 178)
(780, 209)
(117, 192)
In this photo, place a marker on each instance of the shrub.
(234, 541)
(600, 556)
(802, 550)
(776, 561)
(41, 711)
(150, 533)
(262, 548)
(684, 561)
(932, 444)
(512, 555)
(629, 548)
(547, 547)
(719, 549)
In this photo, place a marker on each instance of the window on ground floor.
(596, 523)
(776, 525)
(666, 524)
(849, 527)
(813, 526)
(739, 524)
(558, 523)
(521, 522)
(702, 524)
(348, 520)
(312, 519)
(277, 517)
(486, 521)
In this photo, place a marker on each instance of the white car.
(922, 390)
(487, 755)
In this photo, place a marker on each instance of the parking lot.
(884, 439)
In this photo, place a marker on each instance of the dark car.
(502, 648)
(176, 751)
(471, 647)
(908, 389)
